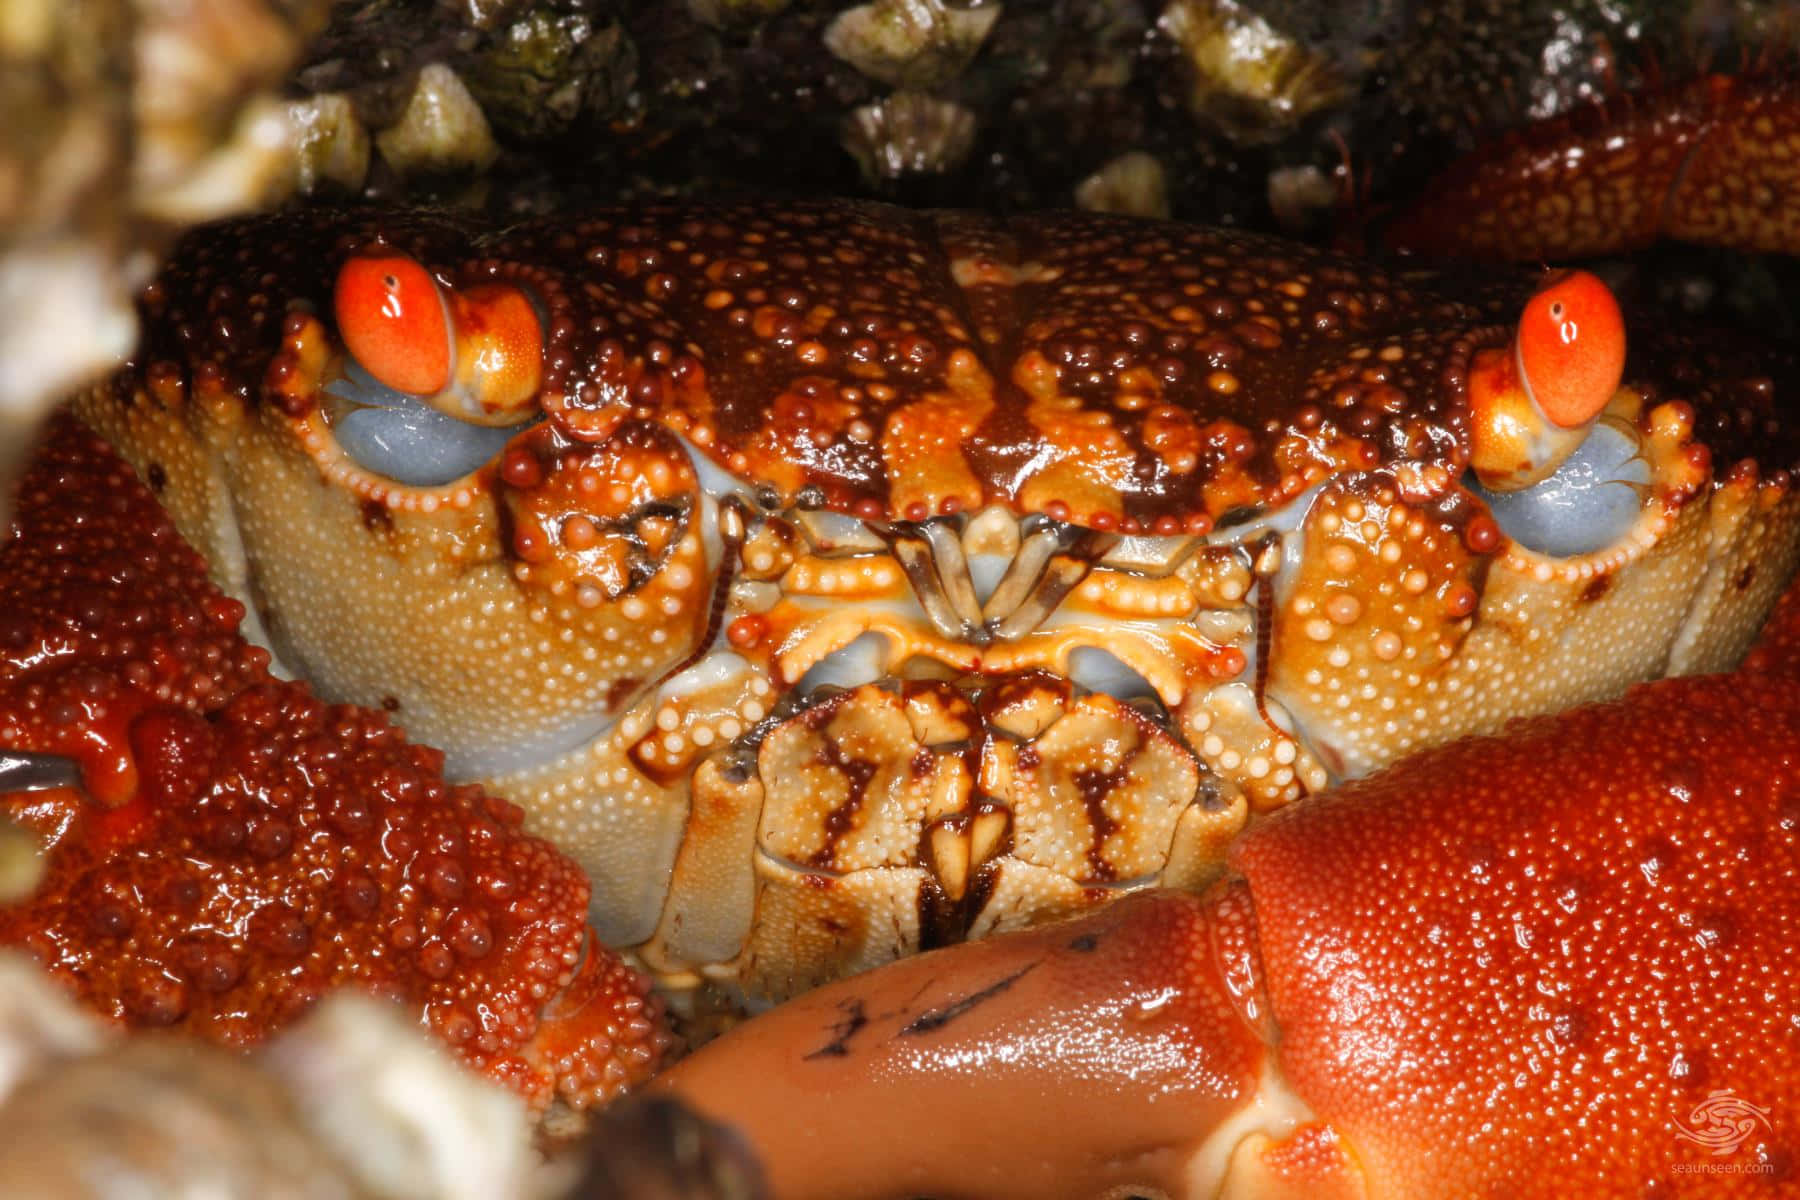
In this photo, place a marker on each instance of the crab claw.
(237, 847)
(1533, 403)
(1022, 1065)
(1509, 963)
(474, 354)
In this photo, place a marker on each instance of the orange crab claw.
(238, 847)
(1015, 1066)
(1554, 961)
(475, 354)
(1532, 404)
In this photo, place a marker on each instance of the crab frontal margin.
(859, 580)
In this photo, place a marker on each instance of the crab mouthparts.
(1052, 558)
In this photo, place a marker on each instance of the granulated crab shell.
(856, 579)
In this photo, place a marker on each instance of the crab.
(832, 581)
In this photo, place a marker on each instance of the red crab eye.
(1572, 347)
(392, 320)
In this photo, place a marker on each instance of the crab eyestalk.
(1533, 403)
(474, 354)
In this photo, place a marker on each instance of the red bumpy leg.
(1715, 160)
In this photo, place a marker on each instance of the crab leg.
(1534, 965)
(1702, 161)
